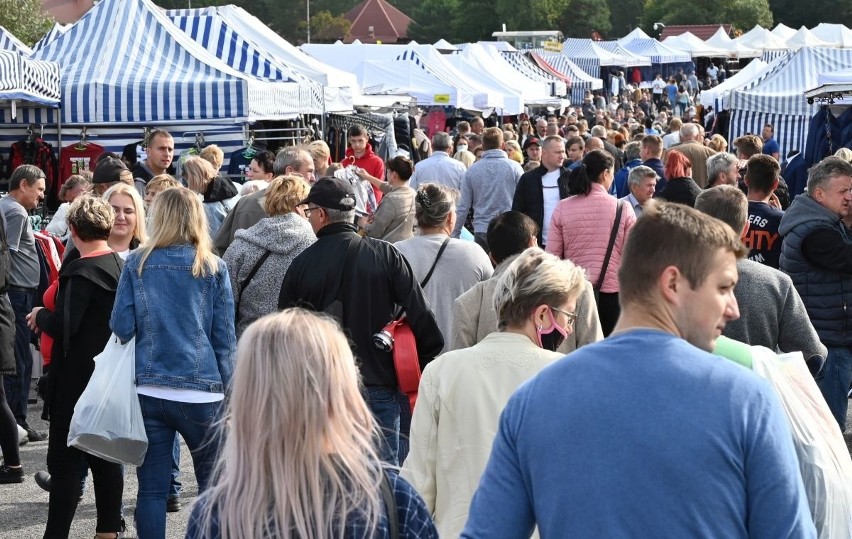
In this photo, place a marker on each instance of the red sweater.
(370, 162)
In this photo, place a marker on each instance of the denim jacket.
(184, 326)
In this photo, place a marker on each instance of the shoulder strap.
(247, 280)
(435, 263)
(609, 247)
(390, 506)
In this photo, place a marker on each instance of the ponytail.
(595, 163)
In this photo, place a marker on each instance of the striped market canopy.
(589, 56)
(656, 51)
(31, 81)
(525, 65)
(210, 29)
(581, 81)
(778, 98)
(141, 68)
(8, 42)
(54, 32)
(631, 59)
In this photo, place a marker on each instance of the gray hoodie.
(285, 236)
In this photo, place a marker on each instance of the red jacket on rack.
(370, 162)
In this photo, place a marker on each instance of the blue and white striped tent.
(125, 62)
(54, 32)
(215, 33)
(33, 82)
(581, 82)
(779, 99)
(8, 42)
(522, 63)
(589, 56)
(664, 59)
(631, 59)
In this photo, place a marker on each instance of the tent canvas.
(8, 42)
(444, 45)
(656, 51)
(779, 98)
(580, 80)
(805, 38)
(399, 77)
(715, 97)
(723, 41)
(589, 56)
(783, 31)
(488, 59)
(837, 35)
(631, 59)
(154, 73)
(513, 98)
(528, 68)
(697, 48)
(763, 40)
(209, 28)
(33, 82)
(53, 33)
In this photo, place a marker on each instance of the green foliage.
(624, 15)
(326, 28)
(25, 19)
(583, 17)
(474, 20)
(430, 21)
(795, 13)
(743, 14)
(530, 14)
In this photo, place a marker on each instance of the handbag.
(107, 420)
(247, 280)
(406, 361)
(612, 235)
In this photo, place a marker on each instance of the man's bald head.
(593, 143)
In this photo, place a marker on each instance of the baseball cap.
(332, 193)
(532, 140)
(109, 171)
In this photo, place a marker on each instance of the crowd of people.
(620, 235)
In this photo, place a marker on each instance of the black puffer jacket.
(7, 315)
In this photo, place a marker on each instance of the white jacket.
(461, 396)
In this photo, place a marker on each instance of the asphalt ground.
(23, 507)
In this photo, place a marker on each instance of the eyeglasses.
(571, 317)
(307, 209)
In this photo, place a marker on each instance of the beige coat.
(394, 218)
(461, 396)
(697, 154)
(474, 316)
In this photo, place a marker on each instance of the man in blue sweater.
(646, 434)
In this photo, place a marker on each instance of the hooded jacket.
(827, 294)
(218, 202)
(285, 237)
(370, 162)
(79, 326)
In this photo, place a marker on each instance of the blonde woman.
(158, 184)
(314, 471)
(463, 392)
(128, 232)
(175, 297)
(259, 256)
(218, 191)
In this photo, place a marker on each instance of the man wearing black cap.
(109, 172)
(532, 149)
(361, 281)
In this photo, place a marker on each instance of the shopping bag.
(107, 420)
(823, 457)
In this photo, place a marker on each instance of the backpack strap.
(390, 506)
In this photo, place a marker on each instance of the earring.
(540, 327)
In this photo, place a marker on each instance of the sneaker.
(22, 436)
(36, 436)
(11, 475)
(173, 505)
(42, 479)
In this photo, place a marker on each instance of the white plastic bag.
(823, 457)
(107, 420)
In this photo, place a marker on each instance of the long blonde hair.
(178, 218)
(298, 457)
(139, 232)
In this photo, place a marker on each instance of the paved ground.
(23, 507)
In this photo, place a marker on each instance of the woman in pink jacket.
(581, 226)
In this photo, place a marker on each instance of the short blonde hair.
(198, 173)
(845, 154)
(91, 218)
(213, 154)
(284, 194)
(535, 278)
(161, 182)
(467, 158)
(319, 150)
(138, 204)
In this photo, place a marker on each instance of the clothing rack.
(295, 135)
(31, 129)
(337, 121)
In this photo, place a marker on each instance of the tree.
(530, 14)
(581, 18)
(475, 20)
(326, 28)
(429, 21)
(625, 15)
(743, 14)
(795, 13)
(25, 19)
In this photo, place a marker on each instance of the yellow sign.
(552, 46)
(441, 98)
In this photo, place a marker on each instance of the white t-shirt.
(658, 86)
(550, 189)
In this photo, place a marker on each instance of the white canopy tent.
(535, 91)
(783, 31)
(837, 35)
(698, 48)
(836, 85)
(715, 97)
(763, 40)
(805, 38)
(723, 41)
(444, 45)
(477, 67)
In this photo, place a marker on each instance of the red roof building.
(377, 20)
(701, 31)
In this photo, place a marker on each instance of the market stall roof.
(783, 31)
(763, 40)
(631, 58)
(8, 42)
(805, 38)
(28, 81)
(723, 41)
(837, 35)
(640, 43)
(138, 67)
(53, 33)
(751, 72)
(701, 31)
(834, 85)
(698, 48)
(444, 45)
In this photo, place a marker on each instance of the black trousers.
(64, 465)
(8, 431)
(608, 311)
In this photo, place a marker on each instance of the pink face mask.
(552, 338)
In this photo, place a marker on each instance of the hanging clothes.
(76, 158)
(35, 151)
(240, 161)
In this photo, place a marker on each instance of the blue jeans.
(163, 419)
(385, 407)
(834, 381)
(18, 386)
